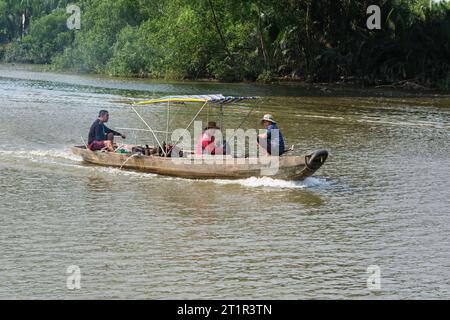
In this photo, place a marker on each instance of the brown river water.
(382, 198)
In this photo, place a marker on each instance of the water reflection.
(308, 199)
(98, 185)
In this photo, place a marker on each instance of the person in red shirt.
(206, 143)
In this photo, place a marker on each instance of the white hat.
(268, 117)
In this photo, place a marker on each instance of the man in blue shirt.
(272, 141)
(100, 136)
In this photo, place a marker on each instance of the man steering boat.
(100, 136)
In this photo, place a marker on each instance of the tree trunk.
(219, 31)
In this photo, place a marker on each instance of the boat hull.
(211, 167)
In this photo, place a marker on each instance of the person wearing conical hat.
(206, 143)
(272, 141)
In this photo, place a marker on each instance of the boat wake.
(266, 182)
(51, 155)
(63, 158)
(40, 154)
(416, 123)
(437, 123)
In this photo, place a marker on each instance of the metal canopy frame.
(219, 100)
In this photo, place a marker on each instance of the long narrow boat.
(188, 165)
(211, 167)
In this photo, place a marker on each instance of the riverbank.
(292, 87)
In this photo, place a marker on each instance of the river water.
(381, 200)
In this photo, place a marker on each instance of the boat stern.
(314, 160)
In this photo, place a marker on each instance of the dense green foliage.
(232, 40)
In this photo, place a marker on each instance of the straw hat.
(212, 125)
(268, 117)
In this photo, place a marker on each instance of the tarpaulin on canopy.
(215, 98)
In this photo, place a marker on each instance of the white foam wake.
(41, 155)
(112, 171)
(64, 158)
(267, 182)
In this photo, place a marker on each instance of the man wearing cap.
(272, 141)
(206, 143)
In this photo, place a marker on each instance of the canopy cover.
(215, 98)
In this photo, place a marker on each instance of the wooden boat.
(187, 165)
(211, 167)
